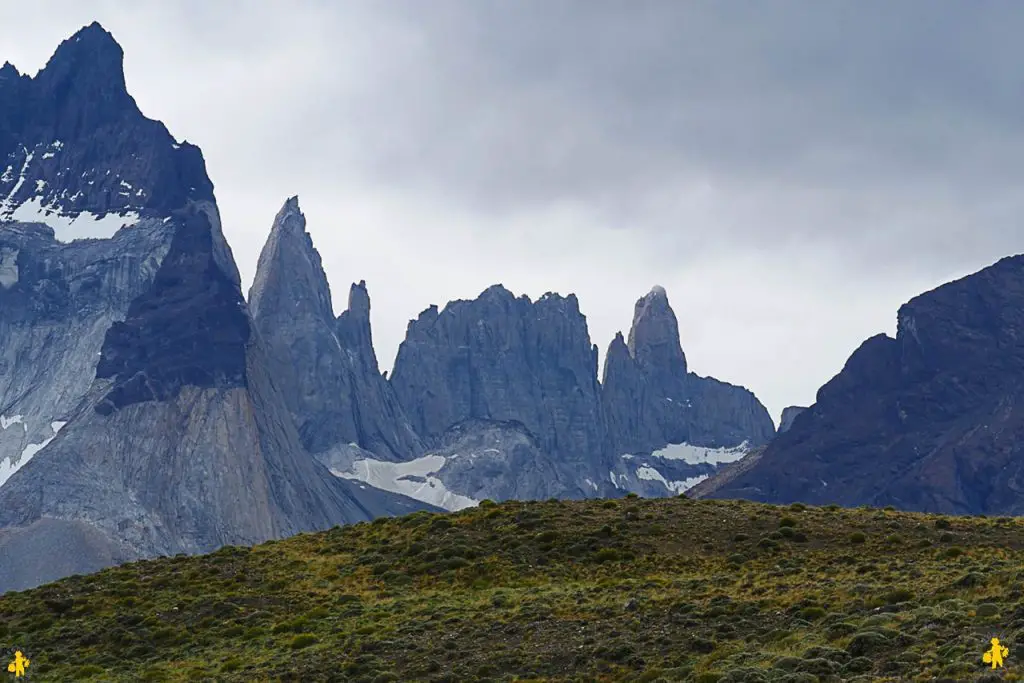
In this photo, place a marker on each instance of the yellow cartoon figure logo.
(996, 654)
(17, 667)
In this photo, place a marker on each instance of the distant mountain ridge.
(931, 420)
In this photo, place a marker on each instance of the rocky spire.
(326, 366)
(624, 398)
(354, 330)
(654, 335)
(289, 275)
(650, 400)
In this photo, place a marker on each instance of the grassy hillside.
(639, 590)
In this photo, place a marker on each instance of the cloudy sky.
(790, 172)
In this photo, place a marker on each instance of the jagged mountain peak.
(657, 292)
(92, 47)
(354, 331)
(326, 366)
(654, 334)
(290, 208)
(87, 72)
(494, 358)
(76, 153)
(359, 300)
(290, 274)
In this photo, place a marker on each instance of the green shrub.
(987, 609)
(812, 613)
(303, 640)
(857, 538)
(942, 523)
(898, 595)
(232, 664)
(954, 551)
(787, 522)
(546, 536)
(88, 670)
(970, 580)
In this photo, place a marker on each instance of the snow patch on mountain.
(6, 422)
(699, 455)
(651, 474)
(8, 466)
(414, 478)
(70, 227)
(67, 226)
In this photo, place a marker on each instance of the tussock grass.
(627, 590)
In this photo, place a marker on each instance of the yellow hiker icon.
(17, 667)
(996, 654)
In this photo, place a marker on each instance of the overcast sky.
(791, 172)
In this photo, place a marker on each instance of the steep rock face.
(504, 391)
(788, 415)
(931, 420)
(671, 427)
(506, 359)
(138, 416)
(650, 399)
(327, 367)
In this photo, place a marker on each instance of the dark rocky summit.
(931, 420)
(326, 367)
(137, 413)
(74, 140)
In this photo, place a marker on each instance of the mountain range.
(147, 408)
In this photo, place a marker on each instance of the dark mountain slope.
(931, 420)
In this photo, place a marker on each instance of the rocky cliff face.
(504, 358)
(505, 390)
(327, 367)
(138, 415)
(789, 414)
(931, 420)
(671, 427)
